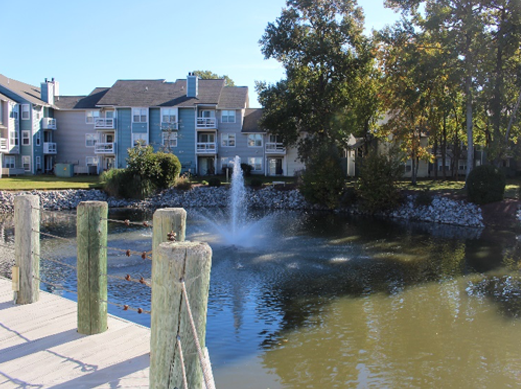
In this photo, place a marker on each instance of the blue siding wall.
(185, 149)
(155, 130)
(140, 128)
(124, 137)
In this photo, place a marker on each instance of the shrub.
(169, 170)
(323, 179)
(349, 197)
(423, 198)
(376, 187)
(256, 182)
(246, 169)
(183, 183)
(122, 183)
(486, 184)
(214, 181)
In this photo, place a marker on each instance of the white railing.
(104, 148)
(165, 126)
(49, 124)
(3, 144)
(49, 148)
(206, 123)
(275, 148)
(206, 147)
(105, 123)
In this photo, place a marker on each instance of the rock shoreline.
(442, 210)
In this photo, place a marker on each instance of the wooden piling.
(27, 247)
(166, 221)
(92, 267)
(190, 261)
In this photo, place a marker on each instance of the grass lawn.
(48, 182)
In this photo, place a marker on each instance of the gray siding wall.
(70, 137)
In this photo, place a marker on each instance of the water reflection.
(333, 302)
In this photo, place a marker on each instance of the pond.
(332, 301)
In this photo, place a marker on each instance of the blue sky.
(93, 43)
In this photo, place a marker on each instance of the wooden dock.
(40, 347)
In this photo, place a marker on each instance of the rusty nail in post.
(127, 222)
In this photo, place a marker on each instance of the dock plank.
(40, 347)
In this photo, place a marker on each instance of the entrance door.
(108, 163)
(275, 167)
(206, 166)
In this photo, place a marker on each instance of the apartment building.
(27, 126)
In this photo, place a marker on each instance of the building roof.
(251, 120)
(27, 92)
(81, 102)
(160, 93)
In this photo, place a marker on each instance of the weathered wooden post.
(190, 262)
(92, 267)
(27, 247)
(166, 221)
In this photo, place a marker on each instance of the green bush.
(323, 179)
(376, 187)
(146, 172)
(214, 181)
(486, 184)
(246, 169)
(169, 167)
(256, 182)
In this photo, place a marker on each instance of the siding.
(70, 137)
(185, 149)
(292, 163)
(155, 129)
(123, 136)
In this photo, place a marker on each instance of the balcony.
(275, 148)
(4, 145)
(169, 126)
(49, 124)
(205, 123)
(105, 148)
(49, 148)
(104, 123)
(206, 148)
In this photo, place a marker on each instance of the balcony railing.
(49, 148)
(166, 126)
(104, 148)
(275, 148)
(49, 124)
(105, 123)
(206, 123)
(206, 148)
(4, 144)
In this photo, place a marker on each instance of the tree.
(329, 63)
(209, 75)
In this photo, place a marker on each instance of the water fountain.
(238, 227)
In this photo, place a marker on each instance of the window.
(226, 162)
(168, 115)
(38, 163)
(26, 111)
(38, 139)
(256, 163)
(207, 114)
(169, 138)
(9, 161)
(26, 138)
(91, 140)
(227, 116)
(139, 115)
(91, 161)
(228, 140)
(14, 112)
(255, 140)
(91, 116)
(26, 163)
(139, 138)
(13, 138)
